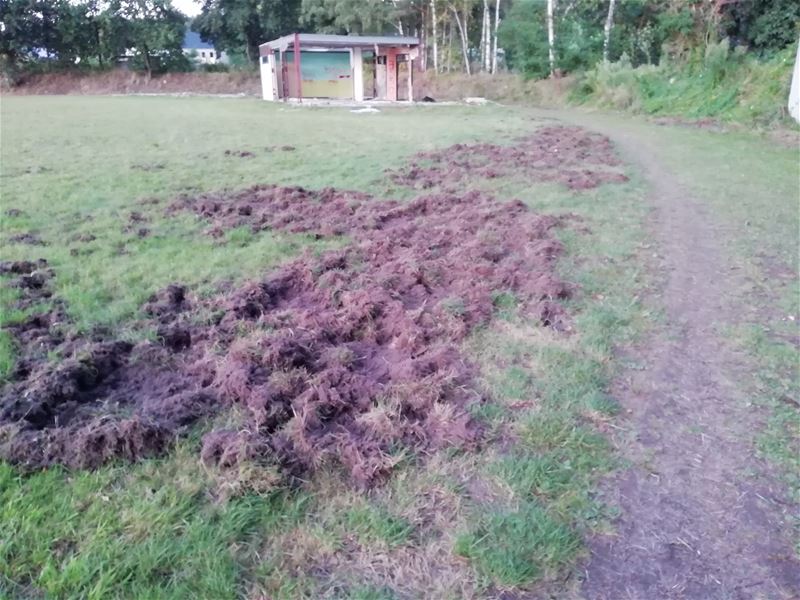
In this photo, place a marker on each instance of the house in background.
(352, 67)
(201, 52)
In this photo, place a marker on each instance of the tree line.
(535, 37)
(63, 34)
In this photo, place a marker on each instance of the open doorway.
(403, 73)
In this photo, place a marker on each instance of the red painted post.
(391, 74)
(297, 66)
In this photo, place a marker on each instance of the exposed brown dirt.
(121, 81)
(348, 356)
(148, 167)
(706, 123)
(571, 156)
(702, 517)
(239, 153)
(30, 238)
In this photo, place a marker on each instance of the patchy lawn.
(91, 178)
(86, 185)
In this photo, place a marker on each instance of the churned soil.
(572, 156)
(347, 356)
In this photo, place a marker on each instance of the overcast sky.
(187, 7)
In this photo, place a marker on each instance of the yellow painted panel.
(336, 88)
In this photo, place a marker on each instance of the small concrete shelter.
(347, 67)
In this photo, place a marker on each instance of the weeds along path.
(701, 518)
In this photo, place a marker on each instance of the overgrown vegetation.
(719, 83)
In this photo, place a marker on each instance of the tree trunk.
(435, 32)
(147, 65)
(482, 43)
(423, 45)
(464, 42)
(496, 26)
(449, 47)
(607, 29)
(98, 42)
(487, 18)
(551, 37)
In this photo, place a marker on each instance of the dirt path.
(700, 517)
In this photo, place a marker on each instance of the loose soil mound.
(571, 156)
(348, 356)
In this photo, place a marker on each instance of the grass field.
(511, 515)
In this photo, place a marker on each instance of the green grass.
(140, 531)
(373, 523)
(511, 547)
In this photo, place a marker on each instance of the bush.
(215, 68)
(715, 83)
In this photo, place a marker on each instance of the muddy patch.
(134, 225)
(571, 156)
(146, 167)
(707, 123)
(350, 356)
(30, 238)
(239, 153)
(280, 148)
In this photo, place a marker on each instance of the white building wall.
(205, 56)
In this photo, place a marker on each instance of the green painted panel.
(323, 66)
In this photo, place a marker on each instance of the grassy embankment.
(724, 85)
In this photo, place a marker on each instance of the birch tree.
(496, 27)
(462, 31)
(551, 37)
(435, 33)
(607, 29)
(487, 40)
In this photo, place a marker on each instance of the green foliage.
(239, 26)
(155, 30)
(640, 28)
(722, 84)
(643, 30)
(91, 33)
(768, 25)
(524, 38)
(346, 16)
